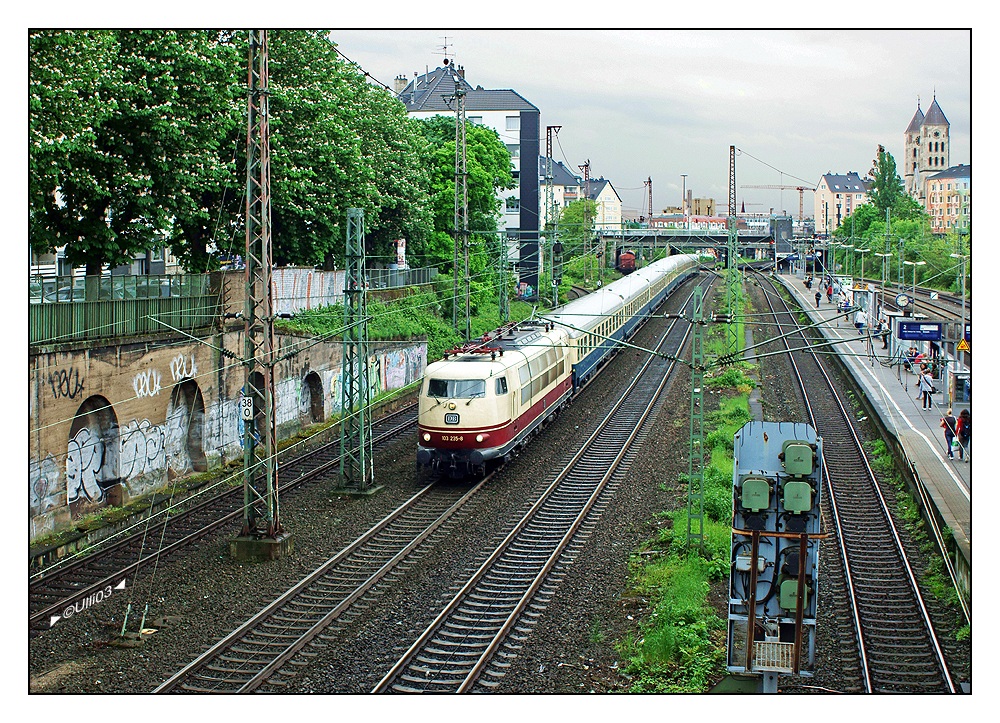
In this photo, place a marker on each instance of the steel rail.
(486, 653)
(40, 616)
(884, 508)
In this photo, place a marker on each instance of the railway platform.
(891, 392)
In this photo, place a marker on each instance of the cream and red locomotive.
(486, 398)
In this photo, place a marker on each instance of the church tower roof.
(918, 118)
(935, 116)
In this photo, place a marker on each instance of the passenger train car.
(486, 398)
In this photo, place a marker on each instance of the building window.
(515, 150)
(513, 122)
(513, 204)
(476, 120)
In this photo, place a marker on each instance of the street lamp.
(964, 257)
(915, 264)
(862, 252)
(847, 266)
(832, 246)
(885, 278)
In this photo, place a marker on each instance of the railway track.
(53, 590)
(898, 648)
(253, 654)
(267, 649)
(471, 643)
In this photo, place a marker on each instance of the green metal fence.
(59, 310)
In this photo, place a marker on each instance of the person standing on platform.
(818, 297)
(964, 430)
(926, 387)
(860, 319)
(948, 423)
(829, 293)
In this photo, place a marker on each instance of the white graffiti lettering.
(147, 383)
(183, 368)
(175, 438)
(84, 458)
(142, 449)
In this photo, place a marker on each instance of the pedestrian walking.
(964, 430)
(883, 329)
(860, 319)
(818, 297)
(948, 424)
(926, 387)
(829, 293)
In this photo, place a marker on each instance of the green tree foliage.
(137, 139)
(338, 142)
(576, 227)
(489, 171)
(909, 235)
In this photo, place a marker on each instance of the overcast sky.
(661, 103)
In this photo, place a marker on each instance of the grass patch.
(681, 646)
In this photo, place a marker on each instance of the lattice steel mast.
(551, 218)
(461, 209)
(733, 272)
(696, 443)
(260, 475)
(357, 467)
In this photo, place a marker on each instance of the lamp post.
(832, 245)
(885, 278)
(915, 264)
(862, 252)
(847, 255)
(964, 257)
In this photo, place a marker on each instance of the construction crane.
(776, 187)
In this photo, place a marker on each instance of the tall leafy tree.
(489, 172)
(142, 155)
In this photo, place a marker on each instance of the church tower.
(911, 157)
(928, 148)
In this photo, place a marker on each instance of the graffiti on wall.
(65, 383)
(147, 383)
(182, 367)
(84, 462)
(44, 489)
(142, 449)
(176, 430)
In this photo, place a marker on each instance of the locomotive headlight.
(427, 436)
(479, 438)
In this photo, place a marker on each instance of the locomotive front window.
(457, 388)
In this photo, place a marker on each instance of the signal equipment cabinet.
(777, 482)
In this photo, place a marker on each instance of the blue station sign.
(968, 333)
(919, 330)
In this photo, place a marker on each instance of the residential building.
(927, 149)
(566, 188)
(836, 197)
(948, 198)
(516, 120)
(609, 204)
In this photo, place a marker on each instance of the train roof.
(588, 311)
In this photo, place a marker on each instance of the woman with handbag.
(926, 387)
